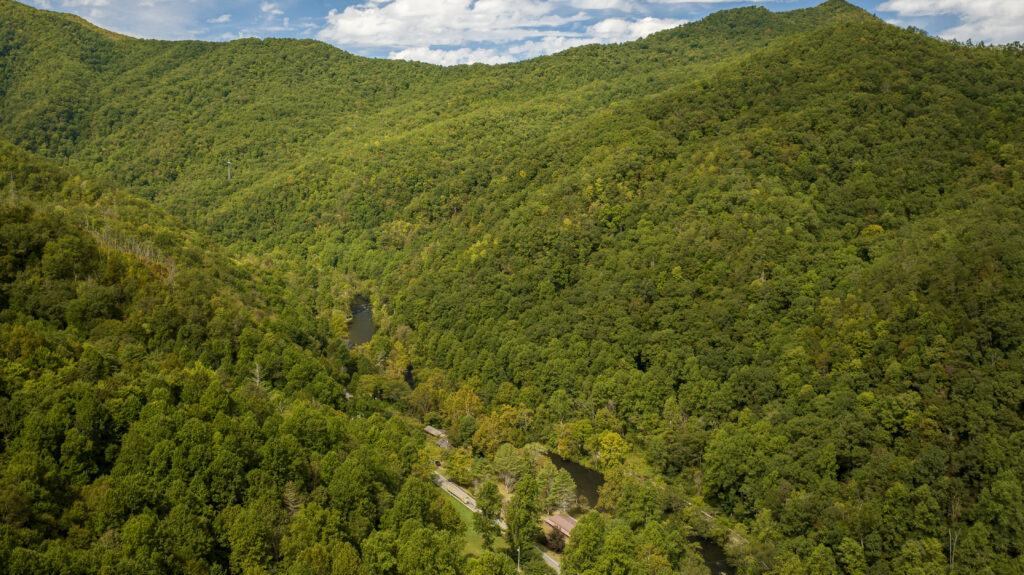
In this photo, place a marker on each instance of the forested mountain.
(161, 413)
(767, 265)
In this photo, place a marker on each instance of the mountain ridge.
(364, 94)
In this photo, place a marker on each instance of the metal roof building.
(562, 523)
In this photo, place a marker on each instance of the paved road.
(468, 500)
(455, 491)
(551, 561)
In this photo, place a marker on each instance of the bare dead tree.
(257, 375)
(293, 498)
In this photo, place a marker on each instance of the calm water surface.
(360, 328)
(714, 557)
(589, 481)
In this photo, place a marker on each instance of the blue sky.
(492, 31)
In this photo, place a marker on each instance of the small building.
(443, 443)
(431, 430)
(561, 523)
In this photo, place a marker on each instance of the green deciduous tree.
(488, 502)
(585, 546)
(522, 516)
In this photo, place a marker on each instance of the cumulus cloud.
(544, 46)
(997, 21)
(619, 30)
(271, 9)
(437, 31)
(623, 5)
(451, 57)
(416, 23)
(605, 31)
(488, 31)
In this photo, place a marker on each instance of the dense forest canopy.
(764, 271)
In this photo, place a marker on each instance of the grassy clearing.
(474, 541)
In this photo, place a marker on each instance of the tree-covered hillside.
(163, 410)
(769, 265)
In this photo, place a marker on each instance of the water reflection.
(714, 557)
(360, 327)
(587, 480)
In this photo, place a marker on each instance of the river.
(588, 481)
(714, 556)
(360, 327)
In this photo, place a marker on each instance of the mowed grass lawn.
(474, 541)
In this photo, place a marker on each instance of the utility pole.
(518, 566)
(229, 170)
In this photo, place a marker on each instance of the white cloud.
(619, 30)
(544, 46)
(438, 31)
(998, 21)
(605, 31)
(271, 8)
(415, 23)
(451, 57)
(624, 5)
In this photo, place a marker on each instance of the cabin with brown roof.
(561, 523)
